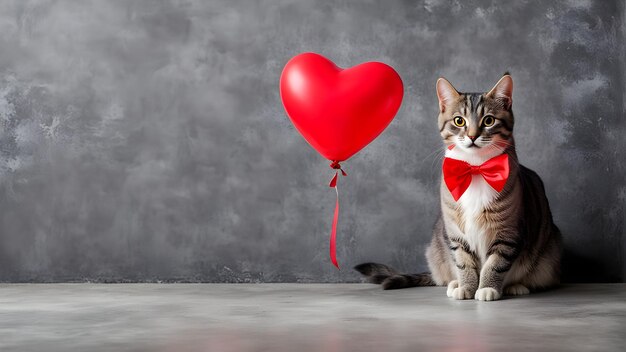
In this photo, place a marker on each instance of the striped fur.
(488, 243)
(390, 279)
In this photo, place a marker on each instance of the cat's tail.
(391, 279)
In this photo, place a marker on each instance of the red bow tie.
(458, 174)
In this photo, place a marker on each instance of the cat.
(491, 239)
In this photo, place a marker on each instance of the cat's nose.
(473, 138)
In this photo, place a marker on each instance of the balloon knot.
(335, 165)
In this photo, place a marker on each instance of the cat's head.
(478, 123)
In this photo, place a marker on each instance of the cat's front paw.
(462, 293)
(451, 286)
(487, 294)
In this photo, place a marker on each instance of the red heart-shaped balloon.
(339, 111)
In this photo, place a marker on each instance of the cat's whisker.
(433, 153)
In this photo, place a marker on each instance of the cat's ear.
(503, 90)
(446, 93)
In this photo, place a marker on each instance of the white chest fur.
(478, 196)
(473, 202)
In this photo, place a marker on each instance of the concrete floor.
(304, 317)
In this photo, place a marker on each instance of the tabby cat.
(495, 234)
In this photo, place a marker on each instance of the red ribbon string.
(333, 232)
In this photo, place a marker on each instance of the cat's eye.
(459, 121)
(488, 121)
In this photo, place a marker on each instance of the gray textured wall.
(145, 140)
